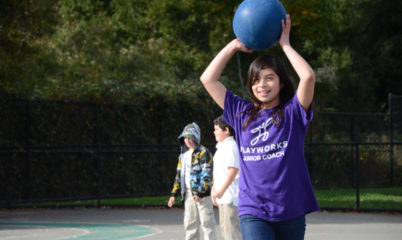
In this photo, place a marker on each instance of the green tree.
(128, 50)
(25, 62)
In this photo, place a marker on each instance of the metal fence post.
(391, 140)
(97, 157)
(357, 176)
(27, 148)
(9, 162)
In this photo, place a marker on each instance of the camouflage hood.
(192, 131)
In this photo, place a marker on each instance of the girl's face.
(267, 87)
(220, 134)
(190, 143)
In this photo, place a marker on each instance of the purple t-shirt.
(274, 181)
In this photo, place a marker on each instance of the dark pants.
(253, 228)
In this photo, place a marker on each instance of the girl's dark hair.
(286, 93)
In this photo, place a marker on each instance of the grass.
(160, 200)
(370, 198)
(138, 201)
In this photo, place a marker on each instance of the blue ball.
(257, 23)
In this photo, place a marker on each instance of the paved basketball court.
(167, 224)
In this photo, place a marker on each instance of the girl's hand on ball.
(239, 46)
(284, 39)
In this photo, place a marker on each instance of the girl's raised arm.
(210, 77)
(305, 90)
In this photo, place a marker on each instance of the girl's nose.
(262, 84)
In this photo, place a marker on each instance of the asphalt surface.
(167, 224)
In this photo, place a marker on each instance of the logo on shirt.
(263, 152)
(262, 131)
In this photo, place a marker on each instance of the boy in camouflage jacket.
(194, 182)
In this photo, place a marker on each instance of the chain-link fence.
(355, 159)
(74, 150)
(78, 150)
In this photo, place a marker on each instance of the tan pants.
(198, 215)
(229, 222)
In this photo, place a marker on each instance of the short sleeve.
(305, 116)
(232, 107)
(234, 157)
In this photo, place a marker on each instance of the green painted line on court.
(96, 231)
